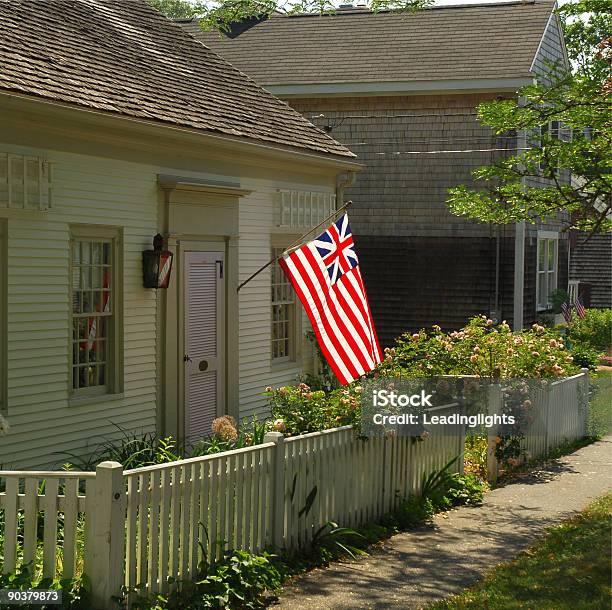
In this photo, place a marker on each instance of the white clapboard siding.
(258, 218)
(45, 427)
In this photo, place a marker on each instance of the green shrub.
(584, 356)
(75, 594)
(132, 450)
(480, 349)
(240, 580)
(594, 330)
(299, 409)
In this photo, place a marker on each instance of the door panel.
(204, 345)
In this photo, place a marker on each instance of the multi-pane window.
(93, 314)
(283, 313)
(547, 269)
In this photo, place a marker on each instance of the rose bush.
(480, 349)
(299, 409)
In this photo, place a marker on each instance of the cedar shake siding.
(417, 281)
(591, 263)
(421, 264)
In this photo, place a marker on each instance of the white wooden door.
(204, 342)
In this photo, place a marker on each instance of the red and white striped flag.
(326, 277)
(580, 309)
(566, 310)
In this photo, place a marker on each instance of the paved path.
(422, 566)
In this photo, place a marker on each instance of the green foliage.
(132, 449)
(299, 409)
(178, 9)
(480, 349)
(440, 491)
(331, 541)
(240, 580)
(475, 454)
(75, 594)
(557, 298)
(585, 357)
(511, 189)
(594, 330)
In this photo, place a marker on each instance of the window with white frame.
(283, 313)
(95, 303)
(546, 281)
(3, 315)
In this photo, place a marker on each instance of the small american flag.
(326, 277)
(566, 310)
(580, 309)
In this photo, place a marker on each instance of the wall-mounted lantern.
(157, 265)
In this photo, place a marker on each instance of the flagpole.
(296, 244)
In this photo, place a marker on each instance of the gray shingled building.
(400, 90)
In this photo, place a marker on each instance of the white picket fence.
(561, 415)
(143, 526)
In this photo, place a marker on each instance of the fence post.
(278, 487)
(494, 407)
(586, 389)
(105, 535)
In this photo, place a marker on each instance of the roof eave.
(197, 137)
(477, 85)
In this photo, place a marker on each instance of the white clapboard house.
(116, 125)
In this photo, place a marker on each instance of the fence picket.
(50, 527)
(143, 534)
(164, 534)
(152, 579)
(71, 515)
(194, 529)
(10, 524)
(30, 519)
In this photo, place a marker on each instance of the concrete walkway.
(425, 565)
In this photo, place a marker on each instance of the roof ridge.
(364, 10)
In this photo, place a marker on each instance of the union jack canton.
(326, 277)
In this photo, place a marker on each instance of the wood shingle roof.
(123, 57)
(353, 46)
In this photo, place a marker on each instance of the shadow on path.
(416, 568)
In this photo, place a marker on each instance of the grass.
(569, 569)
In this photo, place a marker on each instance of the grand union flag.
(326, 277)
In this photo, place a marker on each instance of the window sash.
(92, 272)
(283, 313)
(546, 274)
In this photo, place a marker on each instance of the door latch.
(186, 358)
(220, 263)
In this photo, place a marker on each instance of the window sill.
(87, 400)
(285, 365)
